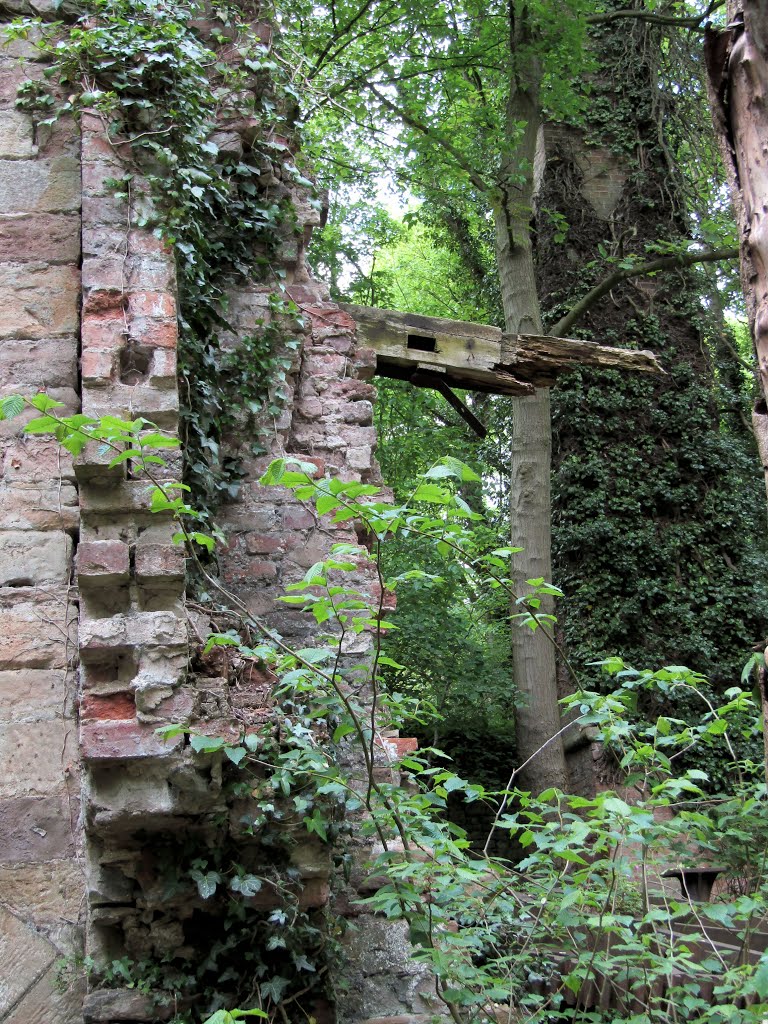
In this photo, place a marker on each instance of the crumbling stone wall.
(41, 850)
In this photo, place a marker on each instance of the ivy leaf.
(274, 988)
(206, 744)
(207, 882)
(246, 885)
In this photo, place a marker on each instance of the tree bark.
(737, 66)
(538, 724)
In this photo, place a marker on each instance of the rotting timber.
(477, 357)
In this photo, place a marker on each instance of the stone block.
(121, 1005)
(139, 629)
(28, 558)
(364, 364)
(33, 756)
(16, 135)
(39, 186)
(92, 465)
(47, 1002)
(25, 957)
(359, 458)
(38, 302)
(263, 544)
(36, 633)
(158, 406)
(36, 458)
(39, 506)
(37, 830)
(51, 238)
(123, 741)
(129, 496)
(312, 860)
(31, 695)
(103, 562)
(39, 363)
(43, 894)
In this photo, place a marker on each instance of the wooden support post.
(426, 379)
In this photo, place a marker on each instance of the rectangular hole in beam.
(422, 343)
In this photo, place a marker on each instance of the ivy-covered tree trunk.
(654, 519)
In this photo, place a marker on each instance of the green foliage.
(562, 921)
(148, 71)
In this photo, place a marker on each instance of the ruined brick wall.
(98, 646)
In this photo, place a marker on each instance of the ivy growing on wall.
(170, 84)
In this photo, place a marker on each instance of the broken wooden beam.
(477, 357)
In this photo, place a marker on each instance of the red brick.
(97, 366)
(109, 707)
(159, 561)
(104, 273)
(123, 741)
(163, 366)
(401, 745)
(103, 561)
(152, 304)
(104, 300)
(103, 332)
(141, 243)
(330, 316)
(306, 293)
(156, 331)
(260, 544)
(219, 728)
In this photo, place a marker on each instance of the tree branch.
(688, 259)
(439, 140)
(695, 24)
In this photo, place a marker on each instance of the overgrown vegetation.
(563, 933)
(586, 935)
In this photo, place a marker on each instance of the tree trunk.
(737, 66)
(539, 745)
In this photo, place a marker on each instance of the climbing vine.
(168, 83)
